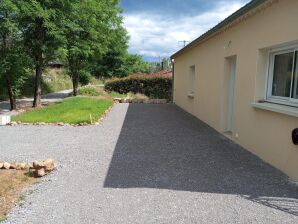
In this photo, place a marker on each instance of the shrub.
(151, 86)
(85, 78)
(88, 91)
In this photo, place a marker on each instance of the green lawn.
(73, 110)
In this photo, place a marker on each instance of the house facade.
(241, 78)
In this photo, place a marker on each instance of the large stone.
(40, 172)
(13, 166)
(6, 165)
(49, 165)
(43, 167)
(1, 165)
(38, 164)
(21, 166)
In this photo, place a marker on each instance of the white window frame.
(278, 99)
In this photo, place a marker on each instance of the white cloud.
(156, 35)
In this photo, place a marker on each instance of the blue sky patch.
(156, 26)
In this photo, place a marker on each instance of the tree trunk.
(75, 84)
(11, 95)
(37, 91)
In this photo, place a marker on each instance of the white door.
(231, 93)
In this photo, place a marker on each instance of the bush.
(152, 86)
(85, 78)
(88, 91)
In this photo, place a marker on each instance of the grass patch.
(73, 110)
(12, 182)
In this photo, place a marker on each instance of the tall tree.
(88, 31)
(13, 60)
(40, 22)
(112, 62)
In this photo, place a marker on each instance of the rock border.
(39, 168)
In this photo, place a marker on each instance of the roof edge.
(242, 11)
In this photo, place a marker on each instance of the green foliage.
(14, 66)
(153, 87)
(117, 62)
(110, 63)
(14, 62)
(89, 91)
(84, 77)
(89, 28)
(73, 111)
(134, 64)
(87, 36)
(40, 22)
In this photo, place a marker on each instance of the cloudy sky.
(156, 26)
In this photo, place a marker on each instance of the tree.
(40, 22)
(13, 60)
(88, 30)
(165, 64)
(135, 64)
(111, 63)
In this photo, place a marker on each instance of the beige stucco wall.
(264, 133)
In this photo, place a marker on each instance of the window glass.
(282, 74)
(295, 80)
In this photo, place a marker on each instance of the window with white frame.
(192, 78)
(283, 76)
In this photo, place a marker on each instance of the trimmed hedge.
(153, 87)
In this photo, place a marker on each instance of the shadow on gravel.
(161, 146)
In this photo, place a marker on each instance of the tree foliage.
(86, 35)
(13, 61)
(117, 62)
(90, 27)
(40, 22)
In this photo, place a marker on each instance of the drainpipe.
(173, 77)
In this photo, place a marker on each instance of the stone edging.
(39, 168)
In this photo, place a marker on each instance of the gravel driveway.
(147, 164)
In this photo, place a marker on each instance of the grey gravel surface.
(147, 164)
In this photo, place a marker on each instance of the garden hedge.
(151, 86)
